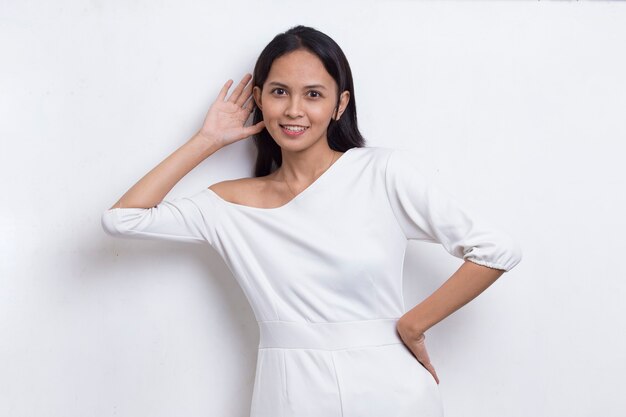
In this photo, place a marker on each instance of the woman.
(317, 238)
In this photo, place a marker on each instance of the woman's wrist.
(206, 146)
(408, 329)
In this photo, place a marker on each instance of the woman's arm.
(143, 213)
(463, 286)
(223, 125)
(152, 188)
(427, 213)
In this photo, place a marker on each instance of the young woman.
(317, 238)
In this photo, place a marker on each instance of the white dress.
(323, 275)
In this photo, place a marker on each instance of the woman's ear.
(256, 91)
(343, 103)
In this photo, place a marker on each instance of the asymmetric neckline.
(298, 196)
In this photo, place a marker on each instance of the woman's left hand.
(416, 343)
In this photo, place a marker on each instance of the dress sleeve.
(428, 213)
(186, 219)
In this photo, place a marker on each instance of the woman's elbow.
(514, 253)
(109, 223)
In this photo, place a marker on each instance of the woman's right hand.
(224, 122)
(415, 342)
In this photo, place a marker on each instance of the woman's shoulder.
(384, 153)
(375, 154)
(373, 151)
(239, 190)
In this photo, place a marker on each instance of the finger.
(245, 95)
(251, 130)
(249, 106)
(222, 94)
(423, 355)
(431, 369)
(237, 91)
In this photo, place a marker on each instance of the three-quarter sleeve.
(428, 213)
(185, 219)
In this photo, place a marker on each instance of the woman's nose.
(294, 109)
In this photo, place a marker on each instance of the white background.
(516, 108)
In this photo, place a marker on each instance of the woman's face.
(299, 92)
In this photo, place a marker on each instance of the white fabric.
(323, 274)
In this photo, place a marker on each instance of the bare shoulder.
(246, 191)
(231, 190)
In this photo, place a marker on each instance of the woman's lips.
(292, 132)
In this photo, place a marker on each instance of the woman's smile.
(293, 130)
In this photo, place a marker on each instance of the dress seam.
(328, 322)
(257, 383)
(332, 358)
(402, 282)
(385, 179)
(332, 350)
(285, 390)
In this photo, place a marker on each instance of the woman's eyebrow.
(306, 86)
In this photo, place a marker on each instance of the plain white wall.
(516, 108)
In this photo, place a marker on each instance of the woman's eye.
(279, 91)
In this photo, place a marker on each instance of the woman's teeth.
(295, 128)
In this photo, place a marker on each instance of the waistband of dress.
(328, 335)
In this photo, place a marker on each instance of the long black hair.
(342, 134)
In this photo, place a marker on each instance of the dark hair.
(342, 134)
